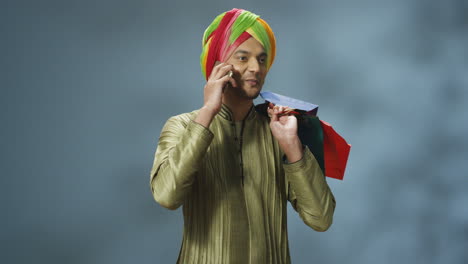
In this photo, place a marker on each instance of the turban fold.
(230, 29)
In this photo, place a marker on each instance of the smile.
(252, 82)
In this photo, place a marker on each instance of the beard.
(247, 92)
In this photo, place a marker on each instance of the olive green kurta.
(234, 189)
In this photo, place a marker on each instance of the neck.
(239, 107)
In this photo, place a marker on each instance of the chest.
(243, 155)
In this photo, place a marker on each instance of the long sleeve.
(309, 192)
(181, 148)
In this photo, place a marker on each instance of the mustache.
(253, 78)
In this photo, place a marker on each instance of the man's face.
(250, 69)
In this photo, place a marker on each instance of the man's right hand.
(214, 88)
(213, 93)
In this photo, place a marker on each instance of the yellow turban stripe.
(230, 29)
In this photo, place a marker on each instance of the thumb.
(274, 116)
(224, 82)
(233, 82)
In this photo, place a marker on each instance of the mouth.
(252, 82)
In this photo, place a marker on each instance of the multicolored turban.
(228, 31)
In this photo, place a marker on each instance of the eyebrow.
(246, 52)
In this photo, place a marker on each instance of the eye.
(242, 58)
(262, 59)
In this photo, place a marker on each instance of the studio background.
(87, 86)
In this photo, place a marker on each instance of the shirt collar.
(227, 114)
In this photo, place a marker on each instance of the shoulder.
(184, 117)
(181, 120)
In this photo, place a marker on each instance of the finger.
(222, 83)
(274, 114)
(218, 63)
(278, 109)
(216, 68)
(274, 117)
(270, 112)
(233, 82)
(229, 84)
(224, 70)
(283, 118)
(224, 80)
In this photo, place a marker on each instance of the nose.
(254, 66)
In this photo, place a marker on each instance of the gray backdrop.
(87, 86)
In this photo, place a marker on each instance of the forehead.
(251, 45)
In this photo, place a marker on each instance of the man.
(232, 169)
